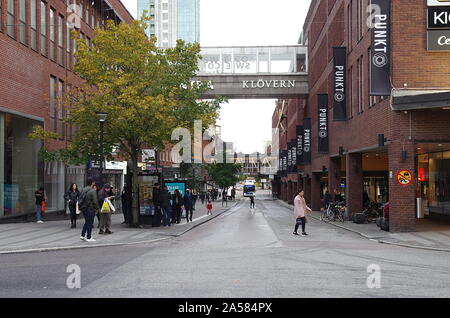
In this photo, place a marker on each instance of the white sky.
(247, 123)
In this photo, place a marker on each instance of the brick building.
(410, 110)
(36, 63)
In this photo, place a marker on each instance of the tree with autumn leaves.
(145, 90)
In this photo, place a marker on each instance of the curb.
(62, 248)
(373, 239)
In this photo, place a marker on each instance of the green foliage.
(224, 174)
(145, 90)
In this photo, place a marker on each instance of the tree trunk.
(135, 191)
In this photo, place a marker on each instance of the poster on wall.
(339, 82)
(322, 125)
(299, 145)
(11, 198)
(307, 140)
(380, 79)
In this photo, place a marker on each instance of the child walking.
(209, 207)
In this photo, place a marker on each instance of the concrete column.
(402, 198)
(334, 174)
(355, 183)
(315, 191)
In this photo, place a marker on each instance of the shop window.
(20, 167)
(60, 124)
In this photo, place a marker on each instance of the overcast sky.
(247, 22)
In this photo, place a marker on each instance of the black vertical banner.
(339, 83)
(289, 157)
(299, 145)
(322, 102)
(380, 66)
(307, 140)
(294, 155)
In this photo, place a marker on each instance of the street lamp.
(101, 119)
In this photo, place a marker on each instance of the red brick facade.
(333, 23)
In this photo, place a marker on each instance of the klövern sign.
(268, 84)
(439, 18)
(381, 50)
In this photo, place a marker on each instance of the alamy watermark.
(74, 279)
(374, 279)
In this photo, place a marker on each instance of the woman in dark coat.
(177, 203)
(71, 197)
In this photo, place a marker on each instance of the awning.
(409, 99)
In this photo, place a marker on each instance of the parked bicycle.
(335, 211)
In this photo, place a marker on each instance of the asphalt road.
(242, 253)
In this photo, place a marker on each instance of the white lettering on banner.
(380, 57)
(339, 96)
(307, 141)
(268, 84)
(323, 124)
(443, 40)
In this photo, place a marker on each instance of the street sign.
(404, 177)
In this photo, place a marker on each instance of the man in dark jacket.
(165, 203)
(156, 197)
(89, 206)
(188, 205)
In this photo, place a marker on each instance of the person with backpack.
(88, 204)
(177, 203)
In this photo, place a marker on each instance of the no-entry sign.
(404, 177)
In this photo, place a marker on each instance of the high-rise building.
(172, 20)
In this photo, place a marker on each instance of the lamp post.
(101, 119)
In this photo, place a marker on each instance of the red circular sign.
(404, 177)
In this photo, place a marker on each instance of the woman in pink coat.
(300, 211)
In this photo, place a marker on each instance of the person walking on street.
(105, 216)
(202, 197)
(177, 203)
(209, 208)
(88, 204)
(300, 211)
(188, 205)
(165, 205)
(338, 196)
(233, 193)
(194, 199)
(124, 197)
(252, 202)
(156, 197)
(71, 197)
(40, 198)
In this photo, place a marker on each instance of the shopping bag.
(67, 208)
(77, 209)
(111, 206)
(43, 206)
(105, 207)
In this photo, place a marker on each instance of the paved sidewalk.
(57, 235)
(429, 235)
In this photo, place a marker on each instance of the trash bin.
(420, 213)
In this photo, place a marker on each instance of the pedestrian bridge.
(254, 71)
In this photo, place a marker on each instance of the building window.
(82, 9)
(52, 103)
(360, 85)
(22, 22)
(33, 31)
(60, 109)
(68, 45)
(10, 19)
(52, 35)
(60, 40)
(92, 14)
(350, 80)
(86, 16)
(43, 28)
(349, 26)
